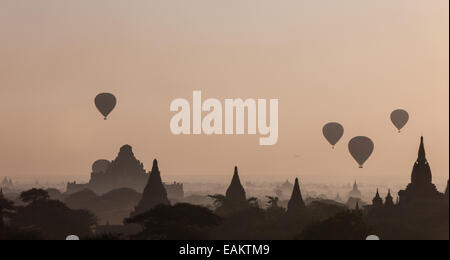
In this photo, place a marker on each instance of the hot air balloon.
(105, 103)
(399, 118)
(100, 166)
(361, 148)
(333, 132)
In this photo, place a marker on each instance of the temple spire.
(421, 186)
(422, 154)
(377, 201)
(236, 191)
(389, 202)
(154, 193)
(296, 202)
(155, 167)
(355, 192)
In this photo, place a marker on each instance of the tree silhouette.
(273, 201)
(225, 205)
(180, 222)
(247, 223)
(218, 200)
(53, 218)
(348, 225)
(274, 211)
(5, 205)
(34, 195)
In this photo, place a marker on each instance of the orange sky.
(349, 61)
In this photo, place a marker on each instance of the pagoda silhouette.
(286, 186)
(355, 192)
(154, 193)
(377, 201)
(296, 204)
(7, 183)
(338, 198)
(389, 201)
(421, 186)
(236, 191)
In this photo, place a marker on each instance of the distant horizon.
(222, 177)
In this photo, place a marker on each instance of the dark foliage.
(179, 222)
(34, 195)
(20, 234)
(226, 206)
(53, 219)
(111, 207)
(245, 224)
(348, 225)
(416, 221)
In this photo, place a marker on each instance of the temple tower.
(235, 191)
(421, 186)
(355, 193)
(421, 174)
(377, 202)
(154, 193)
(296, 203)
(389, 202)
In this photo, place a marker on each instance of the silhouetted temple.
(421, 186)
(287, 186)
(124, 172)
(377, 201)
(174, 190)
(355, 193)
(7, 183)
(296, 203)
(154, 193)
(235, 191)
(389, 201)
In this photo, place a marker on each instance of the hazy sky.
(349, 61)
